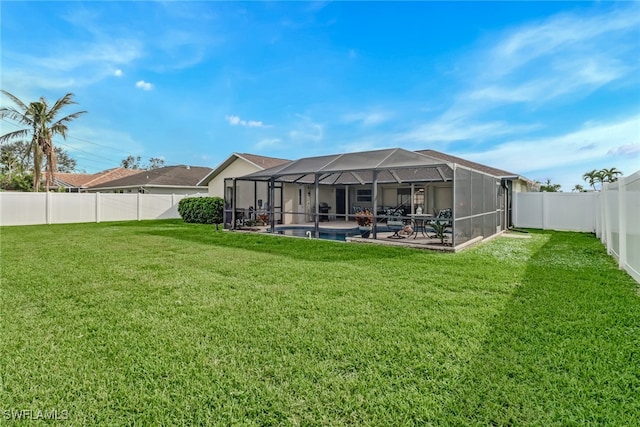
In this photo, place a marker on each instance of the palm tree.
(578, 188)
(593, 177)
(611, 174)
(41, 124)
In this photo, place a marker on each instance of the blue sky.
(542, 89)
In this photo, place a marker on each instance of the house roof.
(182, 176)
(83, 180)
(464, 162)
(358, 167)
(392, 165)
(260, 162)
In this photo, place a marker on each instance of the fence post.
(47, 204)
(138, 207)
(544, 210)
(622, 223)
(97, 206)
(598, 216)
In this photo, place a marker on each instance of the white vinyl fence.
(61, 208)
(613, 214)
(556, 211)
(619, 224)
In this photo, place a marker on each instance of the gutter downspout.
(317, 206)
(374, 226)
(233, 205)
(272, 218)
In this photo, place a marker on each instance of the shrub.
(201, 210)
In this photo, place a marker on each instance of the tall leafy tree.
(601, 176)
(610, 174)
(16, 157)
(593, 177)
(12, 167)
(550, 187)
(131, 162)
(155, 163)
(42, 122)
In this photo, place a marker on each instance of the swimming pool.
(339, 234)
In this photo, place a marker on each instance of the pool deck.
(418, 241)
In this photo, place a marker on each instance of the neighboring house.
(76, 182)
(337, 186)
(180, 179)
(237, 164)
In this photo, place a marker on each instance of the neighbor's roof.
(182, 175)
(82, 180)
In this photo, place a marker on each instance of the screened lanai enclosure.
(390, 183)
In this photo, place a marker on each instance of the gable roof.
(180, 176)
(361, 161)
(83, 180)
(464, 162)
(391, 165)
(260, 162)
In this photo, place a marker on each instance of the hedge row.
(201, 210)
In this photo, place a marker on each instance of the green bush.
(201, 210)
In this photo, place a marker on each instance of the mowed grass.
(166, 323)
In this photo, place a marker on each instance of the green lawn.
(165, 323)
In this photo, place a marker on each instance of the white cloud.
(272, 143)
(237, 121)
(564, 58)
(307, 130)
(593, 144)
(556, 36)
(626, 150)
(445, 130)
(367, 118)
(98, 54)
(233, 120)
(141, 84)
(118, 73)
(88, 63)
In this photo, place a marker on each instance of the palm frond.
(15, 100)
(17, 134)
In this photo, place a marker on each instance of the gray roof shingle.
(181, 175)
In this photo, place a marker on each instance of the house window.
(404, 197)
(363, 195)
(418, 197)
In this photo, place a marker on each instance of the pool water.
(327, 234)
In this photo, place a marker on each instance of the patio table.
(419, 223)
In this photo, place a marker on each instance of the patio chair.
(240, 217)
(396, 224)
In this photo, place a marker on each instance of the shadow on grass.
(298, 248)
(565, 350)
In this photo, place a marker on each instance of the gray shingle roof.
(82, 180)
(182, 175)
(464, 162)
